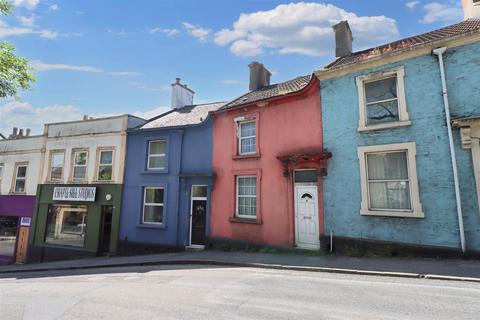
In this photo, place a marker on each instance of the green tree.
(15, 72)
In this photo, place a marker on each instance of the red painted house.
(269, 163)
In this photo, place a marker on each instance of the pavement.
(440, 269)
(194, 292)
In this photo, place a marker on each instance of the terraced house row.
(379, 150)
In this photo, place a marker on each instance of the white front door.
(306, 217)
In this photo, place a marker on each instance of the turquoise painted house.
(391, 184)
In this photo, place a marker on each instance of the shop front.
(15, 219)
(75, 221)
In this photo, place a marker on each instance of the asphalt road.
(205, 292)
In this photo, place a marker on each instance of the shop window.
(66, 225)
(80, 159)
(20, 178)
(105, 165)
(153, 205)
(8, 235)
(157, 155)
(56, 165)
(246, 197)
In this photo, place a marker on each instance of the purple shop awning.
(17, 205)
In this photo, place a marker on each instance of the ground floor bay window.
(66, 225)
(389, 180)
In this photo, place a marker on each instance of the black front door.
(105, 229)
(199, 219)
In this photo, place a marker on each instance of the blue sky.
(109, 57)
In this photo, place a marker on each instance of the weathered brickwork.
(428, 130)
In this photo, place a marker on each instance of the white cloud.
(441, 12)
(196, 31)
(24, 115)
(303, 28)
(6, 30)
(53, 7)
(27, 21)
(29, 4)
(168, 31)
(412, 4)
(42, 66)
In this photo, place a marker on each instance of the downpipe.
(439, 53)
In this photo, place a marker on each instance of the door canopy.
(313, 160)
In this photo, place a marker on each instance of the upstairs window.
(247, 137)
(56, 165)
(105, 165)
(382, 101)
(1, 175)
(80, 159)
(20, 178)
(157, 155)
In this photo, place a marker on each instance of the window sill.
(151, 226)
(245, 220)
(246, 156)
(154, 172)
(17, 193)
(398, 214)
(388, 125)
(103, 182)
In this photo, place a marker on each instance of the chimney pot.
(28, 132)
(343, 39)
(15, 131)
(20, 133)
(259, 76)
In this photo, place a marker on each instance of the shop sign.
(25, 221)
(74, 193)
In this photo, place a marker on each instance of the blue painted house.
(168, 178)
(391, 184)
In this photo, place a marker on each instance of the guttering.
(439, 53)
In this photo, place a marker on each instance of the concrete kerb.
(251, 265)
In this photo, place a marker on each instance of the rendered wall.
(428, 131)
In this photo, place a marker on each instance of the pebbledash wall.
(80, 154)
(439, 227)
(187, 134)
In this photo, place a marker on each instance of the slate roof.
(467, 26)
(274, 90)
(184, 116)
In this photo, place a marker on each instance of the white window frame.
(99, 158)
(50, 166)
(74, 154)
(416, 206)
(237, 179)
(403, 117)
(153, 205)
(240, 138)
(158, 155)
(16, 178)
(2, 170)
